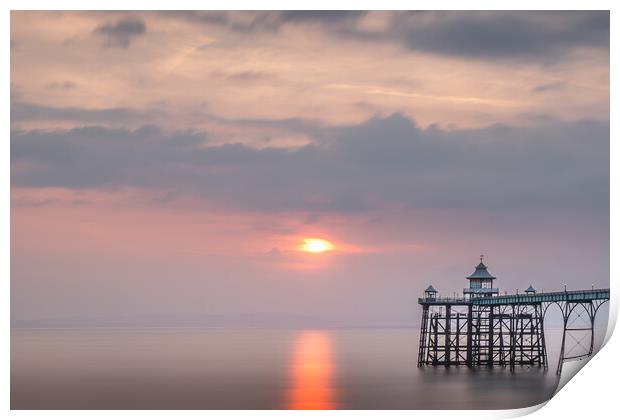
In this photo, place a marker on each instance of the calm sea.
(254, 369)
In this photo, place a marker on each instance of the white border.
(591, 395)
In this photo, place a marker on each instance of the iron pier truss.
(486, 329)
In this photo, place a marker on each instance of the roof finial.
(481, 257)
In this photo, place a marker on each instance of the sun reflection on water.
(312, 372)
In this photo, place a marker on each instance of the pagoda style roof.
(430, 289)
(530, 289)
(481, 273)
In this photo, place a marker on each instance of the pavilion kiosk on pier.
(480, 283)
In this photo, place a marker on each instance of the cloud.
(16, 93)
(121, 33)
(252, 129)
(62, 86)
(96, 156)
(321, 16)
(381, 162)
(266, 21)
(24, 111)
(243, 76)
(549, 87)
(472, 34)
(33, 202)
(502, 34)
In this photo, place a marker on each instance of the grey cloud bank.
(496, 35)
(550, 166)
(506, 34)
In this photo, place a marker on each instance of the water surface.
(254, 369)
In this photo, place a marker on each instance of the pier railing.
(563, 296)
(444, 301)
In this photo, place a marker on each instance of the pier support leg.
(423, 332)
(448, 321)
(491, 347)
(469, 361)
(565, 314)
(513, 344)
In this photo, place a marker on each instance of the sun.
(316, 245)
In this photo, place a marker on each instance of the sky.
(166, 167)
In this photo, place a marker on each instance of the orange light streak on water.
(312, 373)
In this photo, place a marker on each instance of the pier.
(484, 328)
